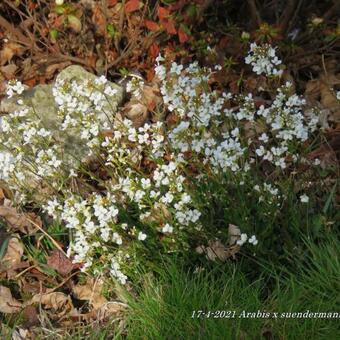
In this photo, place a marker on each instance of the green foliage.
(167, 301)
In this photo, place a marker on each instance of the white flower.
(263, 59)
(253, 240)
(146, 183)
(110, 91)
(14, 87)
(167, 229)
(117, 238)
(141, 236)
(264, 138)
(242, 240)
(260, 151)
(59, 2)
(101, 80)
(304, 198)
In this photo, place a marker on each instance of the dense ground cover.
(207, 180)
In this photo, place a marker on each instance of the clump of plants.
(166, 186)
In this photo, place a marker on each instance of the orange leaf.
(163, 13)
(154, 50)
(151, 25)
(183, 37)
(170, 27)
(132, 5)
(111, 3)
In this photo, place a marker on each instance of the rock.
(40, 102)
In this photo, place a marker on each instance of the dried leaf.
(217, 251)
(137, 112)
(169, 26)
(20, 221)
(321, 91)
(99, 19)
(7, 303)
(91, 291)
(58, 261)
(15, 250)
(111, 3)
(9, 71)
(30, 315)
(234, 233)
(55, 300)
(10, 50)
(51, 69)
(109, 309)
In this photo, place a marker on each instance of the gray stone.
(41, 103)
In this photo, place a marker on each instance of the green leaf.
(111, 30)
(74, 23)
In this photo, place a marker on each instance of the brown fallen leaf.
(19, 221)
(58, 261)
(30, 315)
(10, 50)
(320, 92)
(137, 112)
(137, 108)
(216, 250)
(8, 304)
(54, 300)
(234, 233)
(91, 291)
(105, 312)
(9, 71)
(109, 309)
(12, 257)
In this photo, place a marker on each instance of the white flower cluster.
(263, 59)
(208, 130)
(84, 108)
(244, 238)
(14, 88)
(200, 115)
(36, 153)
(286, 123)
(94, 224)
(140, 195)
(135, 86)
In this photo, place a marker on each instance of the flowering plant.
(142, 197)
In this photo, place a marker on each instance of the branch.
(15, 32)
(254, 13)
(287, 15)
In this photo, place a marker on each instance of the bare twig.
(255, 16)
(287, 15)
(333, 10)
(15, 32)
(64, 57)
(292, 21)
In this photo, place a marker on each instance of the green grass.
(168, 299)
